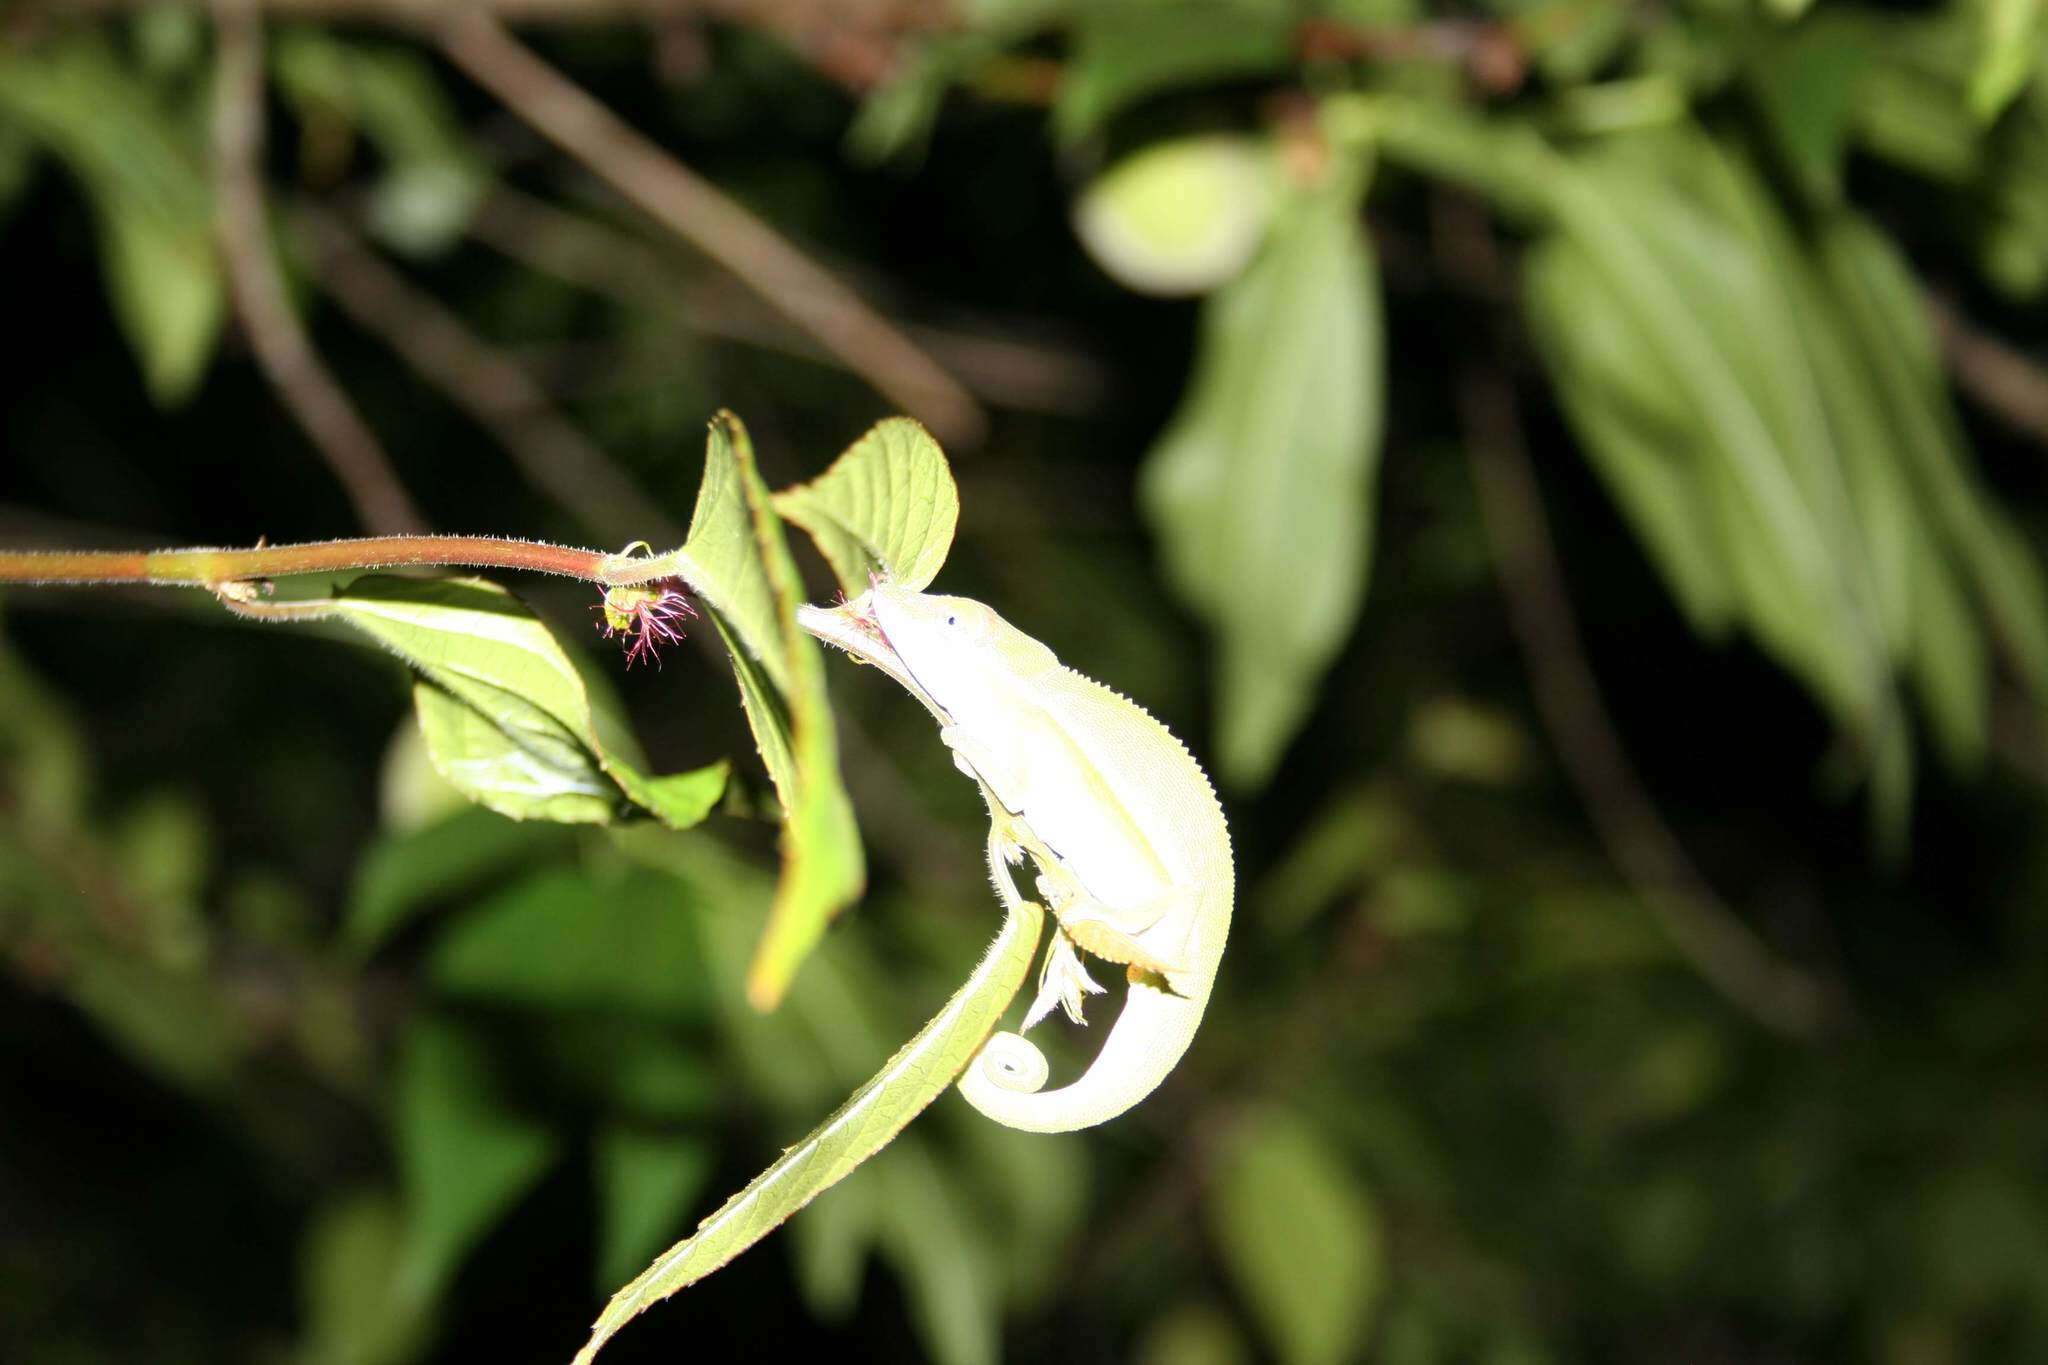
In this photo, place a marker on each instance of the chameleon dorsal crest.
(1130, 845)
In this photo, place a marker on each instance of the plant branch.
(715, 223)
(1003, 370)
(1724, 949)
(207, 567)
(1649, 855)
(275, 333)
(494, 389)
(1993, 372)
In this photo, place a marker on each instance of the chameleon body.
(1131, 848)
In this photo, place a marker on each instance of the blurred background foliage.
(1572, 467)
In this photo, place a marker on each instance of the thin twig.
(1710, 934)
(1003, 370)
(1992, 371)
(494, 389)
(275, 333)
(208, 567)
(715, 223)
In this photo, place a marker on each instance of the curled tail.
(1155, 1028)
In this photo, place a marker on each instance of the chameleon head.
(952, 653)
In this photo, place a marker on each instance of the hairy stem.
(206, 567)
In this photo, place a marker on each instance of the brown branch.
(275, 334)
(1710, 935)
(1010, 373)
(1992, 371)
(206, 567)
(1724, 949)
(495, 390)
(715, 223)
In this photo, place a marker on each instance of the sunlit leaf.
(2012, 52)
(511, 718)
(873, 1115)
(1179, 217)
(887, 505)
(737, 559)
(466, 1154)
(1261, 488)
(1301, 1238)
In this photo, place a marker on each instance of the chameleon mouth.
(852, 626)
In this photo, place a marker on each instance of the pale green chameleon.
(1132, 852)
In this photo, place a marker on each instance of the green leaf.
(1882, 300)
(512, 719)
(575, 939)
(2011, 53)
(1261, 488)
(431, 178)
(918, 1074)
(1125, 52)
(644, 1182)
(466, 1154)
(353, 1309)
(404, 874)
(1721, 378)
(1300, 1237)
(1180, 217)
(887, 505)
(737, 558)
(142, 170)
(1806, 87)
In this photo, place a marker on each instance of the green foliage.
(511, 719)
(887, 506)
(737, 558)
(1463, 1096)
(1280, 426)
(1300, 1236)
(136, 154)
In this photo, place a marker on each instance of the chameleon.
(1131, 850)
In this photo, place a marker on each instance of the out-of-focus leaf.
(1721, 374)
(1882, 299)
(737, 559)
(432, 177)
(1193, 1334)
(926, 1233)
(1179, 217)
(403, 874)
(871, 1117)
(644, 1182)
(349, 1288)
(829, 1246)
(888, 505)
(1124, 52)
(40, 744)
(466, 1153)
(577, 939)
(141, 168)
(1261, 488)
(1806, 88)
(1300, 1237)
(510, 717)
(411, 794)
(2012, 52)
